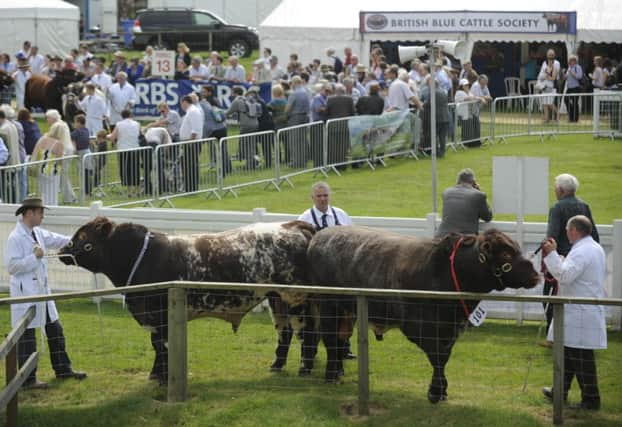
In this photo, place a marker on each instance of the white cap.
(464, 82)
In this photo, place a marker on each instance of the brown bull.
(366, 258)
(47, 93)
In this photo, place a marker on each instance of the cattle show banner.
(151, 92)
(386, 133)
(463, 21)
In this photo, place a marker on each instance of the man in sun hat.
(26, 263)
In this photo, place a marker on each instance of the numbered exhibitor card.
(520, 184)
(163, 63)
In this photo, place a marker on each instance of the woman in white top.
(125, 137)
(464, 109)
(598, 76)
(549, 73)
(50, 147)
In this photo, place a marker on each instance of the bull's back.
(362, 257)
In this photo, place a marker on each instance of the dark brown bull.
(260, 253)
(47, 93)
(366, 258)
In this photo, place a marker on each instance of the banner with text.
(387, 133)
(468, 22)
(151, 92)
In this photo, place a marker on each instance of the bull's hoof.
(435, 398)
(304, 372)
(153, 376)
(277, 366)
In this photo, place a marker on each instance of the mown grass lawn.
(229, 383)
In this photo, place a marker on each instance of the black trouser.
(549, 289)
(580, 362)
(572, 104)
(248, 149)
(27, 345)
(190, 165)
(441, 135)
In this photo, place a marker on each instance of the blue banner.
(151, 92)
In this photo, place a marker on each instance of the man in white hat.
(26, 263)
(20, 77)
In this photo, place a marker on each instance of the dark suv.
(199, 29)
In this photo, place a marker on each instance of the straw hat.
(30, 203)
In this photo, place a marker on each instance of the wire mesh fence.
(301, 150)
(497, 367)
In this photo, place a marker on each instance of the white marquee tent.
(53, 25)
(328, 23)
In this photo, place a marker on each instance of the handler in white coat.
(581, 274)
(95, 109)
(122, 96)
(25, 263)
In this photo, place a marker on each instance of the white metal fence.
(175, 221)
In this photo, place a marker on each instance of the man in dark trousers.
(25, 262)
(580, 274)
(567, 206)
(463, 206)
(338, 106)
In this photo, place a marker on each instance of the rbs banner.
(151, 92)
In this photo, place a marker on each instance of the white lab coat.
(27, 271)
(95, 108)
(581, 274)
(120, 98)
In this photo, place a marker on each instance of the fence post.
(558, 363)
(177, 345)
(363, 354)
(11, 371)
(616, 282)
(430, 226)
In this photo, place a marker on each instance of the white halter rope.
(139, 259)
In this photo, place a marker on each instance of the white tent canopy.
(52, 25)
(335, 24)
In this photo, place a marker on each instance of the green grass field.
(495, 375)
(403, 188)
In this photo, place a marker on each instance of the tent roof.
(42, 9)
(597, 20)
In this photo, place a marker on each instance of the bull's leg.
(438, 387)
(330, 323)
(159, 342)
(310, 337)
(284, 332)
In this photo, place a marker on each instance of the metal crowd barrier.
(47, 178)
(119, 177)
(607, 107)
(186, 168)
(467, 124)
(301, 149)
(251, 159)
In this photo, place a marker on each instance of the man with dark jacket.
(371, 104)
(567, 206)
(442, 116)
(463, 206)
(338, 106)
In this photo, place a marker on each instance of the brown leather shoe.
(35, 385)
(71, 374)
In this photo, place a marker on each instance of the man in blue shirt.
(573, 77)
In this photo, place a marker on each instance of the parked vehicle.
(199, 29)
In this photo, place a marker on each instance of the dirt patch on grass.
(350, 410)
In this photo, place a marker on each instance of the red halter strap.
(452, 259)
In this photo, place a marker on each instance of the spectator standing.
(581, 274)
(216, 71)
(482, 93)
(50, 147)
(234, 73)
(573, 77)
(25, 262)
(215, 126)
(101, 80)
(9, 177)
(197, 70)
(183, 53)
(598, 76)
(169, 119)
(20, 77)
(464, 109)
(400, 94)
(191, 129)
(36, 60)
(339, 106)
(134, 71)
(276, 72)
(125, 137)
(80, 140)
(297, 109)
(372, 103)
(32, 133)
(247, 111)
(122, 96)
(53, 116)
(119, 65)
(442, 115)
(550, 72)
(463, 206)
(94, 108)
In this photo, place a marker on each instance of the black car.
(199, 29)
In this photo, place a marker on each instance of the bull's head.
(504, 258)
(87, 246)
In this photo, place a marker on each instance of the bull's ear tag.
(478, 315)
